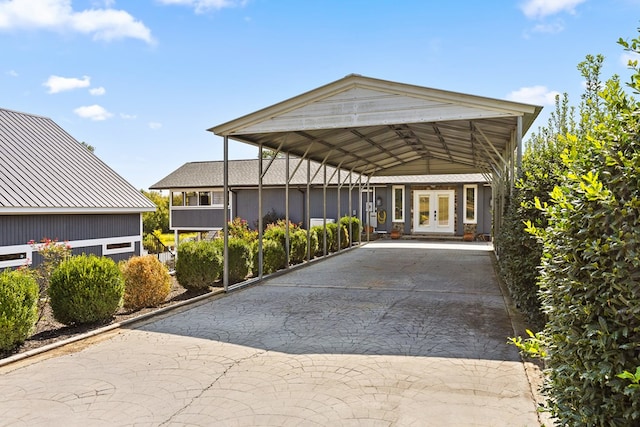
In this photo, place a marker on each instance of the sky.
(142, 80)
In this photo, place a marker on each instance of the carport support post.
(338, 216)
(324, 211)
(287, 240)
(308, 202)
(225, 226)
(260, 219)
(350, 206)
(519, 145)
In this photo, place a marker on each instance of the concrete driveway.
(390, 334)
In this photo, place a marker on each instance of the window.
(177, 199)
(398, 203)
(218, 198)
(15, 256)
(205, 198)
(470, 204)
(118, 247)
(191, 198)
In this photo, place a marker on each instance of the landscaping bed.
(49, 331)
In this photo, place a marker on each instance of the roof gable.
(42, 167)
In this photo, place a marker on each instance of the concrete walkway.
(390, 334)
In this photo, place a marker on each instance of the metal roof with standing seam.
(44, 169)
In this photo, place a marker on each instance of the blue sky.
(142, 80)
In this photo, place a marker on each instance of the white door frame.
(434, 214)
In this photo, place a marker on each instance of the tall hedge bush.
(274, 257)
(198, 264)
(18, 307)
(86, 289)
(352, 224)
(590, 273)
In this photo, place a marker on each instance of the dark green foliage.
(239, 258)
(313, 242)
(198, 264)
(18, 307)
(158, 219)
(320, 234)
(332, 229)
(274, 257)
(352, 224)
(590, 274)
(86, 289)
(298, 242)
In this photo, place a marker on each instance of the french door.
(433, 211)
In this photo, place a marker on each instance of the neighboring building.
(51, 186)
(442, 205)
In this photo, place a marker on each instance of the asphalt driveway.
(389, 334)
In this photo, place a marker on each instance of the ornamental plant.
(86, 289)
(198, 264)
(18, 307)
(52, 253)
(147, 282)
(240, 228)
(239, 258)
(352, 224)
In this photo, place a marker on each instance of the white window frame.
(117, 241)
(393, 202)
(473, 220)
(16, 250)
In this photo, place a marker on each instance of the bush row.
(80, 289)
(200, 263)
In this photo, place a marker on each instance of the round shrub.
(274, 257)
(198, 264)
(298, 246)
(332, 228)
(239, 258)
(352, 224)
(18, 307)
(86, 289)
(318, 231)
(147, 282)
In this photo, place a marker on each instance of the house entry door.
(433, 211)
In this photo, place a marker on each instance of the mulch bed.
(49, 331)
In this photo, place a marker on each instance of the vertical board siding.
(196, 218)
(19, 229)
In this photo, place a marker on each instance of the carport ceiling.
(379, 127)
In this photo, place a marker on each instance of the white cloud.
(94, 112)
(155, 125)
(97, 91)
(60, 84)
(541, 8)
(551, 28)
(629, 56)
(536, 95)
(127, 116)
(58, 15)
(202, 6)
(12, 73)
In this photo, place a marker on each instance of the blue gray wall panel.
(197, 218)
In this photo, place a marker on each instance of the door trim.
(433, 204)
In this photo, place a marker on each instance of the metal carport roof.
(378, 127)
(381, 128)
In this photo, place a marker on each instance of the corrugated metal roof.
(380, 127)
(244, 173)
(42, 167)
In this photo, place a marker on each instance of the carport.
(366, 127)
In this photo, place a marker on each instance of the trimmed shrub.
(198, 264)
(147, 282)
(239, 258)
(332, 228)
(240, 228)
(320, 235)
(298, 243)
(274, 257)
(352, 224)
(18, 307)
(86, 289)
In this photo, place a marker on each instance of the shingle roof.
(244, 173)
(43, 168)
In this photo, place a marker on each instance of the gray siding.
(19, 229)
(197, 218)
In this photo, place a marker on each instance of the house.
(436, 205)
(51, 186)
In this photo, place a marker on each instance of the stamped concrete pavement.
(389, 334)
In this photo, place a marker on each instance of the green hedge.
(240, 258)
(352, 224)
(274, 257)
(86, 289)
(198, 264)
(18, 307)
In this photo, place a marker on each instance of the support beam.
(225, 226)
